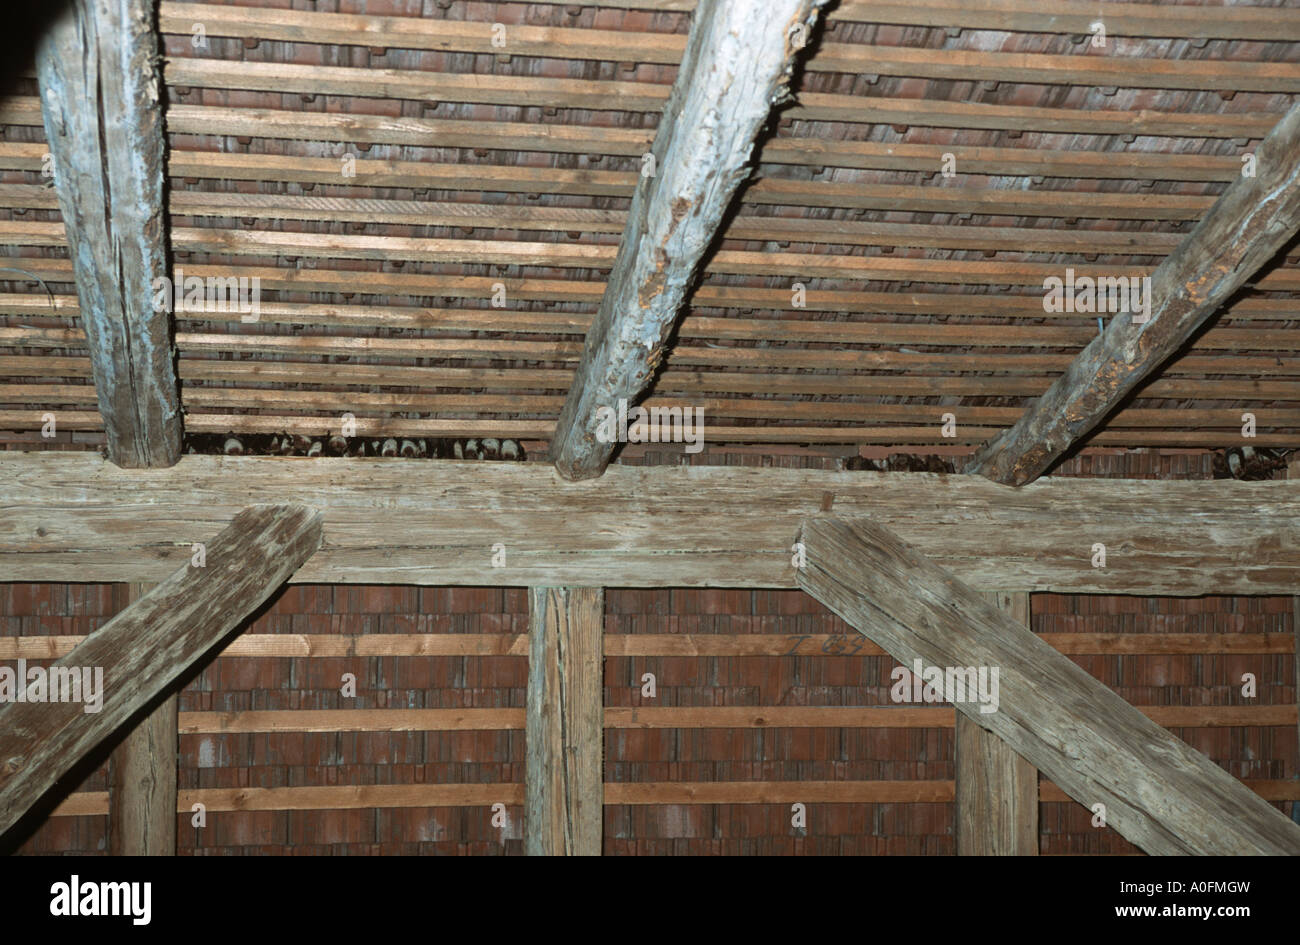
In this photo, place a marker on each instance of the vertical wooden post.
(564, 791)
(142, 777)
(997, 790)
(1293, 472)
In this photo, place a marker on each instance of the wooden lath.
(1135, 19)
(517, 219)
(1194, 22)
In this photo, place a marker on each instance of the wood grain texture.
(677, 644)
(146, 647)
(996, 790)
(1248, 224)
(564, 733)
(544, 92)
(142, 776)
(1067, 16)
(1293, 473)
(1157, 792)
(72, 516)
(676, 717)
(302, 26)
(352, 797)
(99, 83)
(739, 57)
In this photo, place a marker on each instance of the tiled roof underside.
(478, 164)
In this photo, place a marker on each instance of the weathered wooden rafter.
(101, 99)
(739, 57)
(1151, 787)
(1248, 224)
(139, 653)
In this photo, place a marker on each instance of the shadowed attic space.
(473, 428)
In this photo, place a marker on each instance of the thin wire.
(32, 275)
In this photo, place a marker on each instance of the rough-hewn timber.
(1247, 225)
(99, 81)
(1293, 473)
(997, 790)
(72, 516)
(739, 56)
(1156, 791)
(149, 645)
(564, 734)
(142, 775)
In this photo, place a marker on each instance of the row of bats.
(1249, 463)
(293, 444)
(902, 462)
(1245, 463)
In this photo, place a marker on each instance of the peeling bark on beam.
(996, 790)
(565, 736)
(1248, 224)
(1158, 792)
(149, 645)
(142, 776)
(739, 57)
(99, 82)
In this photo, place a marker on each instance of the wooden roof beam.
(70, 516)
(1254, 218)
(739, 56)
(1157, 792)
(102, 108)
(144, 649)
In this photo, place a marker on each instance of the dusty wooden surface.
(1248, 224)
(1293, 473)
(738, 60)
(142, 775)
(74, 517)
(149, 645)
(996, 790)
(99, 81)
(1157, 792)
(564, 734)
